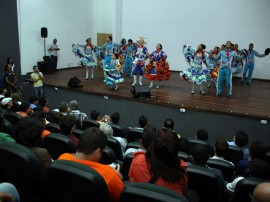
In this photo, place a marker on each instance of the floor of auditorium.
(250, 101)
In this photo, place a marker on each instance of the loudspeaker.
(42, 66)
(74, 82)
(44, 32)
(141, 91)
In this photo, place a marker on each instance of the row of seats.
(67, 181)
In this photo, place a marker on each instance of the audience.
(91, 144)
(169, 123)
(33, 102)
(257, 151)
(44, 103)
(41, 116)
(63, 108)
(28, 133)
(240, 140)
(202, 134)
(24, 109)
(95, 115)
(220, 148)
(75, 111)
(7, 104)
(108, 131)
(160, 164)
(3, 92)
(8, 193)
(261, 193)
(67, 126)
(143, 120)
(115, 119)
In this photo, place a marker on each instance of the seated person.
(257, 151)
(240, 140)
(202, 134)
(147, 138)
(115, 119)
(75, 111)
(24, 109)
(221, 147)
(143, 120)
(41, 116)
(261, 192)
(8, 193)
(160, 164)
(95, 115)
(67, 126)
(28, 133)
(199, 156)
(258, 169)
(91, 144)
(34, 103)
(169, 123)
(44, 103)
(108, 131)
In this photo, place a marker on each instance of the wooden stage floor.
(251, 101)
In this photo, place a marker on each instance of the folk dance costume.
(226, 56)
(212, 69)
(195, 73)
(237, 65)
(141, 54)
(158, 68)
(86, 58)
(249, 66)
(128, 54)
(112, 72)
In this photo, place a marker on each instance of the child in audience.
(240, 140)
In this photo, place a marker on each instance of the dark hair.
(34, 66)
(259, 169)
(203, 46)
(63, 107)
(115, 117)
(33, 99)
(241, 139)
(110, 37)
(115, 54)
(251, 44)
(28, 132)
(221, 147)
(8, 60)
(169, 123)
(162, 156)
(130, 40)
(150, 127)
(94, 114)
(66, 124)
(202, 135)
(143, 121)
(43, 101)
(41, 116)
(24, 106)
(200, 154)
(90, 140)
(184, 145)
(160, 46)
(258, 150)
(147, 138)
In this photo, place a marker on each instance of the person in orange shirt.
(89, 152)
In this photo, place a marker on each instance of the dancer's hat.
(267, 51)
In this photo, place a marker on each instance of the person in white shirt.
(54, 55)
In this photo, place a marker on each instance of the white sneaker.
(86, 78)
(134, 84)
(140, 83)
(192, 92)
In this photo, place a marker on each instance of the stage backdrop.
(174, 23)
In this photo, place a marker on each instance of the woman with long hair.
(160, 165)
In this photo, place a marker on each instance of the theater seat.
(226, 168)
(21, 167)
(143, 192)
(70, 181)
(13, 118)
(244, 188)
(116, 130)
(108, 156)
(184, 156)
(135, 145)
(234, 154)
(134, 135)
(88, 123)
(53, 127)
(57, 144)
(126, 165)
(114, 144)
(205, 183)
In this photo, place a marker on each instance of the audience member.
(75, 111)
(220, 148)
(67, 126)
(41, 116)
(108, 131)
(91, 144)
(160, 164)
(7, 104)
(63, 108)
(8, 193)
(24, 109)
(184, 145)
(33, 102)
(202, 134)
(28, 133)
(115, 119)
(17, 101)
(258, 169)
(44, 103)
(143, 120)
(169, 123)
(95, 115)
(3, 92)
(240, 140)
(147, 138)
(4, 137)
(257, 151)
(199, 157)
(261, 193)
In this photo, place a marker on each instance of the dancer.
(237, 65)
(112, 72)
(121, 54)
(158, 68)
(141, 54)
(224, 71)
(249, 66)
(212, 68)
(195, 73)
(128, 58)
(86, 58)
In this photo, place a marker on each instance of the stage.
(250, 101)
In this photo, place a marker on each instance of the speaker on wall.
(44, 32)
(141, 91)
(74, 82)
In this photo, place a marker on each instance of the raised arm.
(259, 55)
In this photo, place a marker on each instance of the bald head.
(261, 192)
